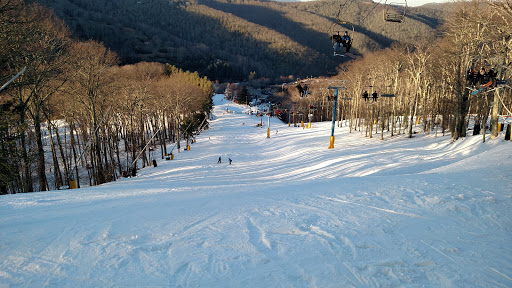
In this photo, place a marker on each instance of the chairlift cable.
(371, 11)
(338, 18)
(502, 103)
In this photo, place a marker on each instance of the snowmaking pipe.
(142, 151)
(13, 78)
(176, 142)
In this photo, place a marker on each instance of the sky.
(288, 212)
(415, 3)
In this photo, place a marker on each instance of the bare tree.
(43, 50)
(91, 84)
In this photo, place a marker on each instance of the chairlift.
(395, 11)
(388, 93)
(367, 91)
(338, 28)
(476, 79)
(342, 25)
(477, 62)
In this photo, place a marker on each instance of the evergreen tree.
(244, 97)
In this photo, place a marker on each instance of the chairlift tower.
(268, 128)
(290, 115)
(336, 89)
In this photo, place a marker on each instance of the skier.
(220, 161)
(230, 161)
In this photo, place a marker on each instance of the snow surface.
(420, 212)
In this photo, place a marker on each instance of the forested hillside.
(225, 40)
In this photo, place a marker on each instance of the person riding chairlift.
(338, 42)
(305, 90)
(365, 96)
(346, 41)
(375, 96)
(471, 77)
(491, 74)
(482, 76)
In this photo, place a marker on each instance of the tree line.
(427, 83)
(74, 104)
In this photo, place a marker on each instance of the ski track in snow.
(420, 212)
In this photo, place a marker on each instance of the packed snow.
(288, 212)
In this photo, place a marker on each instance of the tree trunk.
(107, 171)
(411, 113)
(134, 144)
(41, 167)
(461, 105)
(116, 147)
(75, 158)
(62, 154)
(28, 185)
(97, 149)
(56, 167)
(494, 115)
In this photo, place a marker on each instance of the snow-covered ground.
(288, 212)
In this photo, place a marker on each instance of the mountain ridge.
(228, 40)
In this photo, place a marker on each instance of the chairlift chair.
(341, 26)
(487, 63)
(395, 12)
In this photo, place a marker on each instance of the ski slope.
(288, 212)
